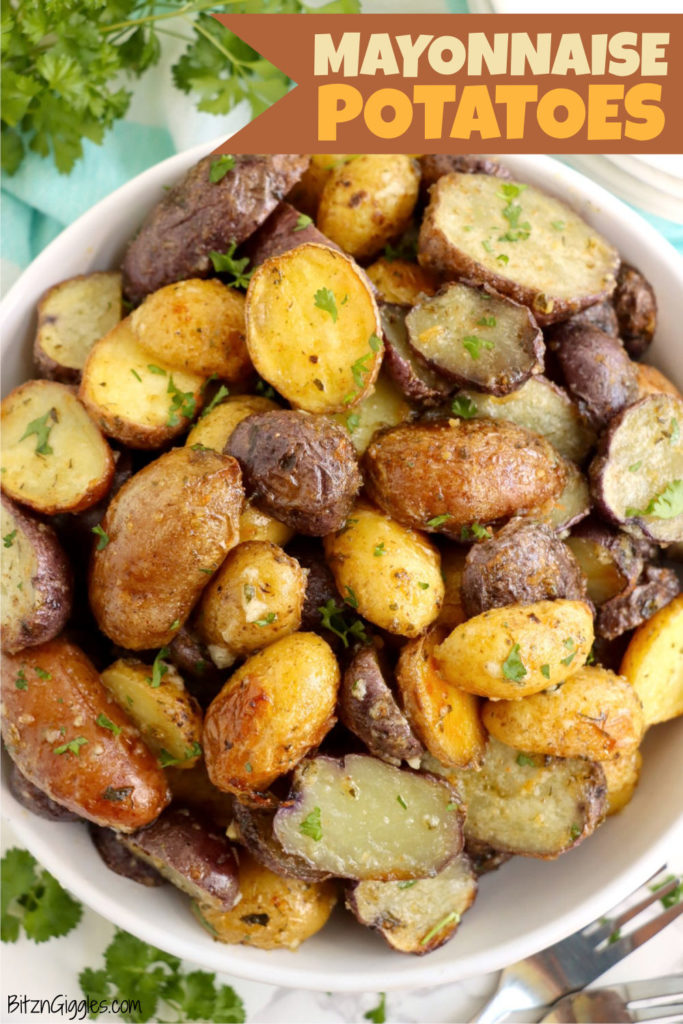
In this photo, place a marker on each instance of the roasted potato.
(552, 261)
(494, 470)
(452, 567)
(570, 506)
(484, 858)
(367, 201)
(636, 308)
(199, 216)
(400, 281)
(411, 824)
(271, 712)
(653, 664)
(313, 329)
(35, 800)
(70, 739)
(385, 571)
(37, 581)
(300, 469)
(273, 912)
(418, 381)
(54, 458)
(445, 718)
(434, 166)
(196, 326)
(533, 806)
(597, 371)
(512, 652)
(120, 860)
(155, 699)
(594, 714)
(636, 476)
(255, 524)
(652, 381)
(168, 527)
(622, 774)
(285, 229)
(628, 610)
(387, 406)
(609, 559)
(420, 915)
(305, 194)
(255, 827)
(214, 427)
(255, 598)
(72, 315)
(367, 708)
(320, 585)
(476, 338)
(600, 315)
(522, 563)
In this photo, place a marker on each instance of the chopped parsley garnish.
(222, 393)
(115, 794)
(248, 767)
(378, 1014)
(34, 900)
(523, 760)
(175, 624)
(153, 368)
(545, 671)
(267, 620)
(159, 668)
(452, 805)
(451, 918)
(220, 167)
(136, 375)
(249, 592)
(262, 387)
(374, 342)
(225, 263)
(103, 537)
(359, 370)
(182, 402)
(575, 831)
(423, 586)
(409, 884)
(636, 466)
(325, 300)
(72, 747)
(41, 430)
(167, 760)
(473, 344)
(194, 751)
(351, 598)
(107, 723)
(487, 321)
(512, 211)
(311, 826)
(332, 618)
(513, 666)
(487, 245)
(8, 539)
(41, 673)
(559, 225)
(675, 433)
(302, 221)
(475, 530)
(463, 407)
(438, 520)
(402, 802)
(502, 258)
(379, 550)
(20, 682)
(665, 505)
(352, 422)
(405, 249)
(671, 898)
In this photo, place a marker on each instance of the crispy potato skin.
(114, 779)
(320, 586)
(401, 281)
(120, 860)
(594, 714)
(271, 712)
(274, 912)
(214, 429)
(600, 315)
(198, 216)
(37, 581)
(35, 800)
(635, 305)
(552, 635)
(301, 469)
(280, 233)
(626, 611)
(652, 381)
(622, 774)
(178, 515)
(418, 381)
(522, 563)
(467, 470)
(653, 664)
(434, 165)
(597, 371)
(256, 832)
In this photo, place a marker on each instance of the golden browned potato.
(271, 712)
(367, 201)
(213, 429)
(452, 569)
(54, 458)
(305, 195)
(445, 718)
(273, 912)
(313, 328)
(191, 787)
(196, 326)
(134, 397)
(155, 698)
(69, 738)
(622, 774)
(652, 381)
(517, 650)
(594, 714)
(387, 406)
(255, 598)
(168, 528)
(570, 506)
(446, 475)
(401, 281)
(258, 525)
(653, 663)
(387, 572)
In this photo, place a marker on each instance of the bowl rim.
(239, 960)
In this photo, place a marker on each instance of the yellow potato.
(306, 193)
(155, 698)
(273, 912)
(313, 328)
(653, 663)
(594, 714)
(445, 718)
(622, 774)
(258, 525)
(214, 429)
(367, 201)
(452, 568)
(388, 572)
(385, 407)
(255, 598)
(517, 650)
(401, 281)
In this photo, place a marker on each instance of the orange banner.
(459, 83)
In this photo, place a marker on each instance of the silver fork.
(537, 982)
(659, 1001)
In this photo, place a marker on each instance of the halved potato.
(452, 568)
(526, 244)
(258, 525)
(570, 506)
(134, 397)
(72, 316)
(652, 381)
(609, 559)
(385, 407)
(313, 328)
(653, 663)
(418, 381)
(213, 429)
(401, 281)
(155, 698)
(622, 774)
(54, 458)
(254, 826)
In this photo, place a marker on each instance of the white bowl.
(526, 905)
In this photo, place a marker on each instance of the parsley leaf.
(107, 723)
(379, 550)
(32, 898)
(671, 898)
(352, 422)
(324, 299)
(220, 167)
(473, 344)
(103, 537)
(159, 668)
(182, 402)
(302, 222)
(513, 667)
(475, 530)
(311, 826)
(351, 598)
(41, 430)
(225, 263)
(523, 760)
(72, 747)
(463, 407)
(267, 620)
(20, 682)
(332, 618)
(378, 1014)
(438, 520)
(452, 918)
(665, 505)
(222, 393)
(8, 539)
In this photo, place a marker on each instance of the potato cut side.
(196, 326)
(258, 525)
(401, 281)
(361, 818)
(477, 339)
(526, 244)
(313, 328)
(213, 429)
(637, 476)
(387, 406)
(653, 663)
(539, 405)
(417, 380)
(570, 506)
(255, 827)
(421, 914)
(622, 774)
(155, 698)
(54, 458)
(72, 316)
(531, 805)
(134, 397)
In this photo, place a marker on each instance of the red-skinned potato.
(34, 800)
(120, 860)
(72, 741)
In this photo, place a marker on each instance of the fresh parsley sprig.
(33, 900)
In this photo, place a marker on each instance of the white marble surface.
(43, 971)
